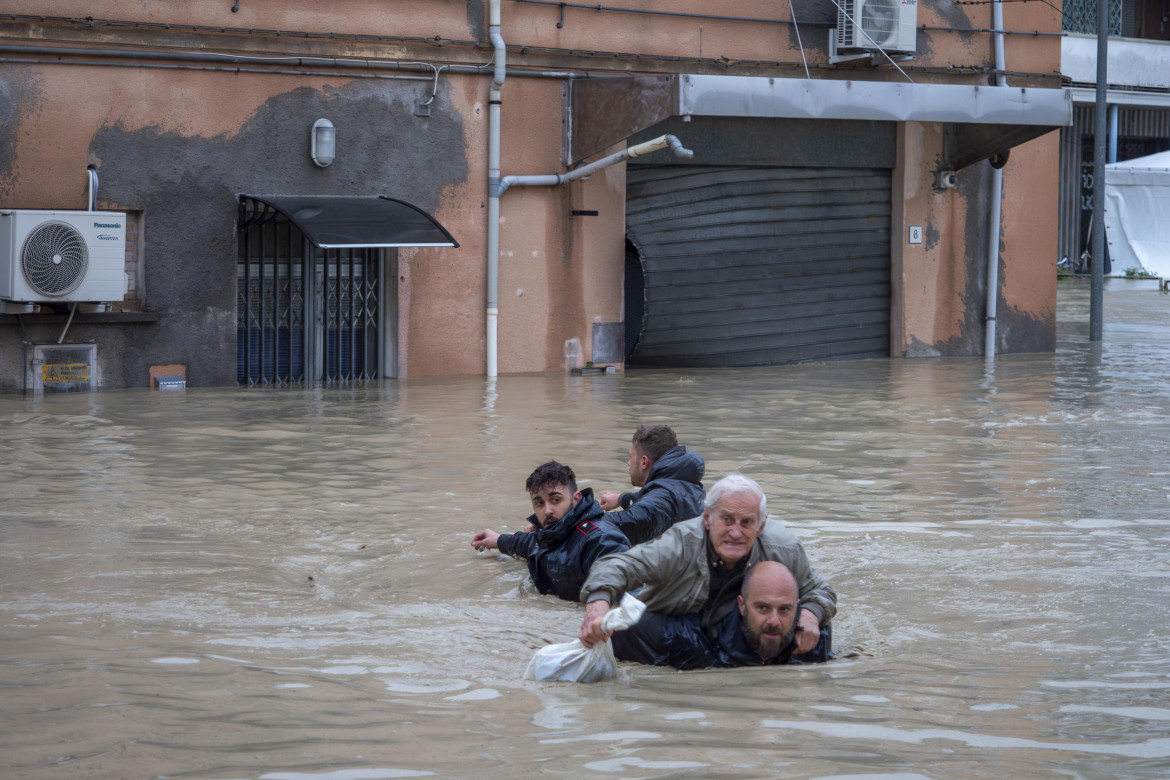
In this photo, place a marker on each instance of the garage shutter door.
(760, 265)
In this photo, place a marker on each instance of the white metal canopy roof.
(980, 120)
(875, 100)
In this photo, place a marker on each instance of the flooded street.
(224, 583)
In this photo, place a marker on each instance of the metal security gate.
(1140, 131)
(304, 314)
(760, 265)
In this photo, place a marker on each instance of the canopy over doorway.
(348, 221)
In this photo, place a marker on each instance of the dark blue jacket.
(559, 557)
(680, 641)
(673, 492)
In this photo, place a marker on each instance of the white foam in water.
(483, 694)
(174, 660)
(438, 686)
(684, 716)
(292, 685)
(605, 736)
(619, 764)
(347, 774)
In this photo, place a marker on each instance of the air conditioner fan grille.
(879, 19)
(54, 258)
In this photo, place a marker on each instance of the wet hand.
(610, 501)
(591, 631)
(809, 633)
(485, 540)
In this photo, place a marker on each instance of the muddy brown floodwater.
(223, 583)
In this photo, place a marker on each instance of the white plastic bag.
(573, 662)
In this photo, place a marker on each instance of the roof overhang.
(348, 222)
(980, 120)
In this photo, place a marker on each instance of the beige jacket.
(672, 570)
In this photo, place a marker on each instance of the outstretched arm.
(518, 545)
(485, 540)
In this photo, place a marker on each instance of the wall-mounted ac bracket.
(835, 58)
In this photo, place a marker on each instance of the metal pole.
(1100, 141)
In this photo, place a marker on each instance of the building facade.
(1137, 101)
(837, 201)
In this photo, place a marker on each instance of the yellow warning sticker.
(60, 373)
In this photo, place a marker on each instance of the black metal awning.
(348, 222)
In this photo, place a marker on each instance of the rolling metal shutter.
(754, 265)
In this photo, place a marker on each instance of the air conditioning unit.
(885, 25)
(62, 256)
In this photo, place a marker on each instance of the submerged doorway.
(306, 314)
(317, 286)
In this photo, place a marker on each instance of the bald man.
(760, 632)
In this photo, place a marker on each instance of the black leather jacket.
(559, 557)
(673, 492)
(682, 642)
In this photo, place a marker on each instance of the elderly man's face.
(733, 525)
(769, 610)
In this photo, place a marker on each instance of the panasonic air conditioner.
(62, 256)
(877, 25)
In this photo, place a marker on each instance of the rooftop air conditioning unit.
(62, 256)
(885, 25)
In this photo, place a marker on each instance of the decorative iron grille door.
(347, 314)
(304, 314)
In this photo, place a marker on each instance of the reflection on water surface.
(223, 583)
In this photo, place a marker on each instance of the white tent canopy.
(1137, 214)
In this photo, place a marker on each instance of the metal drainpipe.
(996, 196)
(493, 215)
(91, 193)
(553, 179)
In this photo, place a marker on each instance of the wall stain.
(20, 97)
(187, 188)
(566, 281)
(477, 20)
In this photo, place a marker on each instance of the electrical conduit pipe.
(554, 179)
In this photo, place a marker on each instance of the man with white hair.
(698, 565)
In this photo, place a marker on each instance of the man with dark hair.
(570, 533)
(671, 482)
(761, 630)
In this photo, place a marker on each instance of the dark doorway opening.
(635, 297)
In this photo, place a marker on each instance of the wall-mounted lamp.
(323, 142)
